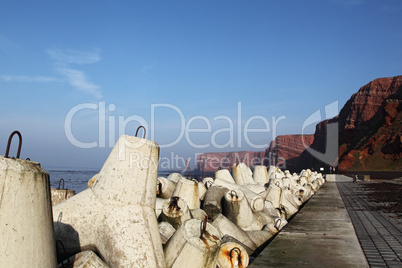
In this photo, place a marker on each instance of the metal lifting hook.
(238, 251)
(136, 133)
(233, 193)
(9, 143)
(203, 226)
(58, 188)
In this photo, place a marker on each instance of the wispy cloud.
(79, 80)
(73, 56)
(76, 78)
(63, 60)
(24, 78)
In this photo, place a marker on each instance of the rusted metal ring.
(203, 226)
(189, 176)
(278, 221)
(136, 133)
(208, 184)
(159, 187)
(58, 188)
(28, 159)
(233, 193)
(9, 143)
(237, 250)
(60, 217)
(173, 204)
(283, 210)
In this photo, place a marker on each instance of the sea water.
(75, 179)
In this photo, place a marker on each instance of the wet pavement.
(344, 224)
(378, 227)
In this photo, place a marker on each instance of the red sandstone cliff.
(370, 136)
(284, 151)
(370, 126)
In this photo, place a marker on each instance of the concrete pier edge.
(321, 234)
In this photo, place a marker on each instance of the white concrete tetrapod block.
(257, 189)
(320, 179)
(175, 177)
(310, 190)
(92, 180)
(213, 200)
(123, 235)
(232, 254)
(193, 245)
(26, 229)
(129, 237)
(304, 193)
(315, 185)
(303, 181)
(280, 223)
(260, 237)
(202, 190)
(256, 201)
(276, 181)
(175, 211)
(287, 183)
(295, 178)
(271, 170)
(165, 188)
(227, 227)
(298, 198)
(290, 197)
(308, 174)
(84, 259)
(260, 175)
(159, 206)
(59, 195)
(270, 210)
(278, 175)
(298, 189)
(274, 194)
(270, 227)
(198, 213)
(76, 220)
(166, 230)
(263, 218)
(237, 209)
(116, 216)
(187, 190)
(225, 175)
(287, 201)
(228, 238)
(129, 175)
(208, 181)
(242, 174)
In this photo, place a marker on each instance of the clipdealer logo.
(238, 130)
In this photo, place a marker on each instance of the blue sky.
(76, 73)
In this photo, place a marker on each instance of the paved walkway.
(320, 235)
(379, 233)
